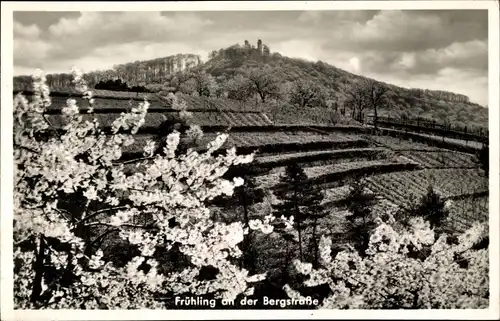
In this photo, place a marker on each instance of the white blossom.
(160, 190)
(436, 281)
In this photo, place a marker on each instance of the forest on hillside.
(247, 72)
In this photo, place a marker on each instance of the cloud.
(406, 31)
(107, 56)
(408, 60)
(28, 48)
(403, 46)
(92, 32)
(395, 31)
(336, 18)
(473, 84)
(468, 55)
(412, 48)
(120, 27)
(30, 52)
(309, 16)
(471, 55)
(26, 32)
(354, 62)
(297, 49)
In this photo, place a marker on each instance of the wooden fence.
(433, 128)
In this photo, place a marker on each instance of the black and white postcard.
(239, 160)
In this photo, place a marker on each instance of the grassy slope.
(400, 99)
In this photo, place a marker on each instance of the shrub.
(361, 220)
(433, 208)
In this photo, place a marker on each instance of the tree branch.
(93, 214)
(121, 225)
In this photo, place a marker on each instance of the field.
(155, 119)
(467, 210)
(454, 175)
(446, 142)
(401, 144)
(397, 169)
(396, 175)
(401, 188)
(442, 159)
(110, 101)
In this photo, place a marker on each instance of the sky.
(434, 49)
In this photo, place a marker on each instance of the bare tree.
(204, 83)
(376, 96)
(307, 93)
(333, 117)
(263, 82)
(239, 88)
(356, 98)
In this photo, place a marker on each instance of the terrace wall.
(433, 128)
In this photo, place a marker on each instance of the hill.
(296, 86)
(337, 85)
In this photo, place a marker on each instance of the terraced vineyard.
(118, 100)
(220, 104)
(467, 210)
(402, 187)
(341, 171)
(152, 120)
(442, 159)
(251, 139)
(396, 175)
(401, 144)
(268, 143)
(319, 171)
(397, 169)
(466, 189)
(156, 119)
(70, 91)
(107, 105)
(328, 155)
(443, 142)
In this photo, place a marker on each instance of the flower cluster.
(72, 190)
(81, 86)
(194, 133)
(406, 269)
(131, 121)
(263, 226)
(181, 106)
